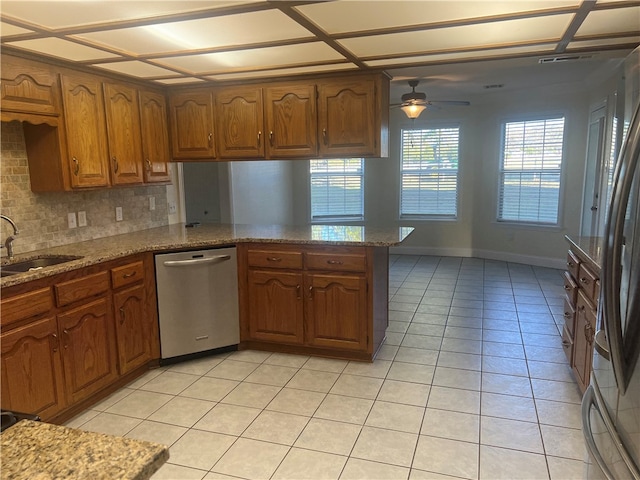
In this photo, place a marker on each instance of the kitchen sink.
(35, 264)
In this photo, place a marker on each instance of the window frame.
(500, 168)
(430, 216)
(337, 218)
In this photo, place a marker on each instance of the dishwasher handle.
(197, 261)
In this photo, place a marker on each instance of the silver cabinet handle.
(197, 261)
(76, 169)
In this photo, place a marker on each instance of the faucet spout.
(8, 243)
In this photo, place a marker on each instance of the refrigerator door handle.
(601, 346)
(588, 401)
(612, 254)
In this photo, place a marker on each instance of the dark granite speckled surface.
(42, 451)
(589, 249)
(177, 236)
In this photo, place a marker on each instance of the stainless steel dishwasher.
(197, 301)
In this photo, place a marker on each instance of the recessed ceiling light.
(564, 58)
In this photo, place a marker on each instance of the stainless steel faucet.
(8, 243)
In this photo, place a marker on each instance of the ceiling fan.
(414, 103)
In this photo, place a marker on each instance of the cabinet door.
(239, 123)
(86, 131)
(336, 311)
(583, 340)
(347, 118)
(32, 380)
(292, 122)
(155, 137)
(275, 306)
(191, 119)
(132, 334)
(88, 351)
(28, 87)
(123, 127)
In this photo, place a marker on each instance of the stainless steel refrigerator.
(611, 404)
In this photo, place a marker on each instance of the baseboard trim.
(534, 260)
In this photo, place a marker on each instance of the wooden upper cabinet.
(191, 120)
(353, 117)
(292, 122)
(123, 128)
(28, 87)
(155, 136)
(239, 122)
(87, 158)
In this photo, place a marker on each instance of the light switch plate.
(71, 220)
(82, 219)
(118, 214)
(172, 208)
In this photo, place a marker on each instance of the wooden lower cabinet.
(336, 309)
(88, 349)
(32, 379)
(583, 340)
(132, 333)
(314, 300)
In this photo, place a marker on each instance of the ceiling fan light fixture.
(413, 111)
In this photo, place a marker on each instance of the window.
(337, 189)
(530, 171)
(429, 172)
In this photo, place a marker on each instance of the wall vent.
(564, 58)
(494, 85)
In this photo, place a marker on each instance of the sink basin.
(35, 264)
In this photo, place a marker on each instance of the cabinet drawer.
(26, 305)
(569, 314)
(570, 288)
(344, 262)
(274, 259)
(567, 344)
(127, 274)
(80, 288)
(587, 282)
(573, 264)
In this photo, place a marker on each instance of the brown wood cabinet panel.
(191, 121)
(336, 311)
(132, 334)
(81, 288)
(570, 287)
(567, 343)
(28, 87)
(155, 136)
(347, 118)
(583, 340)
(25, 305)
(86, 131)
(239, 122)
(88, 348)
(292, 121)
(573, 264)
(32, 380)
(569, 314)
(336, 261)
(275, 306)
(127, 274)
(268, 258)
(587, 280)
(123, 127)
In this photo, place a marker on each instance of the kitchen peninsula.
(90, 325)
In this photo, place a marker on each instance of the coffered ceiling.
(176, 42)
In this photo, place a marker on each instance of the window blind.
(429, 172)
(337, 188)
(530, 171)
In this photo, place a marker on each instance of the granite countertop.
(589, 248)
(178, 236)
(42, 451)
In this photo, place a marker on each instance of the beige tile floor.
(471, 383)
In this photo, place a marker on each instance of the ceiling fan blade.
(449, 102)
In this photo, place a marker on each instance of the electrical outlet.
(152, 203)
(172, 208)
(71, 220)
(82, 219)
(118, 214)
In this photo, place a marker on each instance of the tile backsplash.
(42, 217)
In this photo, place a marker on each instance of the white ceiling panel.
(603, 42)
(609, 21)
(211, 32)
(64, 49)
(494, 33)
(259, 57)
(136, 69)
(6, 29)
(284, 71)
(340, 17)
(459, 56)
(178, 81)
(61, 14)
